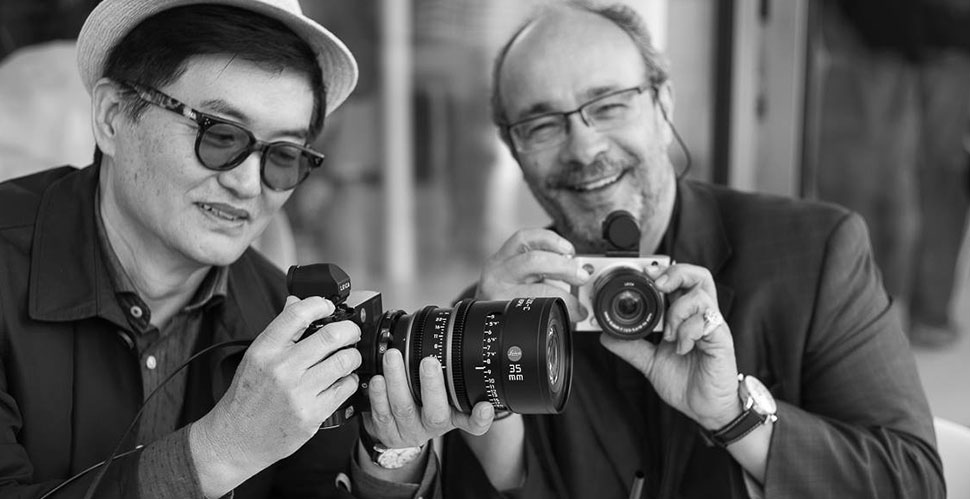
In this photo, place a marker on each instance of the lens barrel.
(515, 354)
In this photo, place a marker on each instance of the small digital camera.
(620, 296)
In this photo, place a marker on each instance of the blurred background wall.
(814, 98)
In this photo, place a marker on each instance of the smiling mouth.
(597, 184)
(233, 216)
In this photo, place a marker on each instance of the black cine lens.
(514, 354)
(626, 303)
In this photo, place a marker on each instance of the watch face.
(393, 459)
(764, 403)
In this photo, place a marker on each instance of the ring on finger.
(712, 320)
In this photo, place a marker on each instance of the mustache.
(575, 173)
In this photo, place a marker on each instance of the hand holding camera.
(424, 374)
(693, 368)
(281, 393)
(534, 262)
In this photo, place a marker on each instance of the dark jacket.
(797, 284)
(69, 382)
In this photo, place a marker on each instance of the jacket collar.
(701, 240)
(70, 281)
(68, 277)
(701, 236)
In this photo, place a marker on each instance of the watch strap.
(373, 449)
(738, 428)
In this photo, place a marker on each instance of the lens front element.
(627, 304)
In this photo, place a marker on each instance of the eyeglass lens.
(225, 145)
(602, 114)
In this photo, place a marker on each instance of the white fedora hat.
(111, 20)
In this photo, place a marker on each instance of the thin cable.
(115, 453)
(680, 142)
(91, 468)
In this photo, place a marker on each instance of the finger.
(689, 304)
(690, 331)
(335, 367)
(324, 342)
(526, 240)
(683, 275)
(385, 429)
(638, 353)
(333, 397)
(435, 410)
(403, 408)
(293, 320)
(577, 312)
(538, 266)
(478, 421)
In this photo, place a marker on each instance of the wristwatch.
(758, 407)
(390, 459)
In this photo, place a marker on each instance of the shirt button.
(135, 311)
(150, 362)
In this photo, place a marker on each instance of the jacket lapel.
(701, 240)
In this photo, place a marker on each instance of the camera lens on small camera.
(627, 304)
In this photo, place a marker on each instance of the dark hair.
(623, 16)
(156, 51)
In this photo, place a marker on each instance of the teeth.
(597, 184)
(218, 213)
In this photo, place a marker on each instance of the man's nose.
(244, 180)
(583, 142)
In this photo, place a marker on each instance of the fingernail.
(389, 356)
(566, 247)
(660, 281)
(582, 273)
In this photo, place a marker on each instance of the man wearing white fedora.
(114, 276)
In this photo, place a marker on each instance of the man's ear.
(107, 114)
(664, 95)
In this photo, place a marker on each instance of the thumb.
(638, 353)
(294, 319)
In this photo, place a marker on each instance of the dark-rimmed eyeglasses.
(223, 145)
(606, 112)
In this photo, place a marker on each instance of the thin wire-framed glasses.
(223, 145)
(606, 112)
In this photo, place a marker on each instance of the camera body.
(622, 299)
(620, 296)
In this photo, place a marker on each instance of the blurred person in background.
(894, 121)
(112, 276)
(779, 290)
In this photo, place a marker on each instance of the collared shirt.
(161, 350)
(167, 465)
